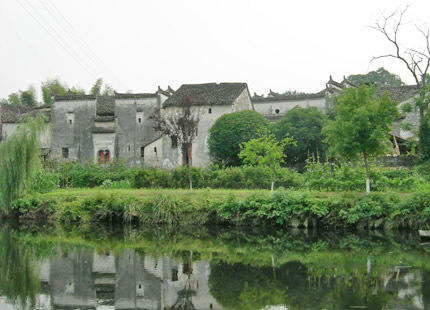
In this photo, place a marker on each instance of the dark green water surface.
(46, 266)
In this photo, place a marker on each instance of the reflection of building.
(87, 280)
(406, 283)
(70, 280)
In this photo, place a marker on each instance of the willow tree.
(20, 160)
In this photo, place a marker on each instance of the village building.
(209, 100)
(104, 128)
(274, 106)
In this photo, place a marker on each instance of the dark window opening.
(155, 149)
(70, 121)
(277, 111)
(210, 110)
(104, 156)
(174, 274)
(174, 142)
(139, 120)
(140, 286)
(142, 151)
(129, 148)
(65, 152)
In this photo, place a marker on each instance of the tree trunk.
(190, 179)
(271, 187)
(186, 160)
(366, 166)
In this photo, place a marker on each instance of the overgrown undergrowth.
(229, 207)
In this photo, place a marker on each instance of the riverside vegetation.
(326, 195)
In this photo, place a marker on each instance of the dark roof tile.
(207, 94)
(278, 97)
(105, 106)
(12, 113)
(399, 93)
(103, 130)
(104, 119)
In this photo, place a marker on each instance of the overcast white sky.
(140, 44)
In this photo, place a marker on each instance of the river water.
(46, 266)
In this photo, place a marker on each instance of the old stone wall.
(280, 107)
(75, 136)
(133, 127)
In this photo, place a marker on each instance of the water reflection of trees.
(249, 270)
(19, 280)
(238, 286)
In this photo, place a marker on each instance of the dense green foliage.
(19, 161)
(265, 152)
(304, 126)
(229, 131)
(424, 137)
(361, 126)
(324, 177)
(362, 123)
(52, 87)
(257, 208)
(381, 78)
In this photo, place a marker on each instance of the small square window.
(65, 152)
(139, 120)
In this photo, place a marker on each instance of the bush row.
(325, 177)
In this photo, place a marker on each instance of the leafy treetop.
(380, 78)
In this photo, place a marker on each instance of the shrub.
(229, 131)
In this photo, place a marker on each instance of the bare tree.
(416, 60)
(180, 124)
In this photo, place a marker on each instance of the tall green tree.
(362, 125)
(28, 97)
(52, 87)
(108, 90)
(380, 78)
(20, 160)
(305, 126)
(265, 151)
(229, 131)
(13, 98)
(96, 90)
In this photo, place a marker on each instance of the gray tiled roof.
(399, 93)
(104, 119)
(12, 113)
(135, 96)
(105, 106)
(207, 94)
(74, 97)
(103, 130)
(279, 97)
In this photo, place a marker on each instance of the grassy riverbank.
(231, 207)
